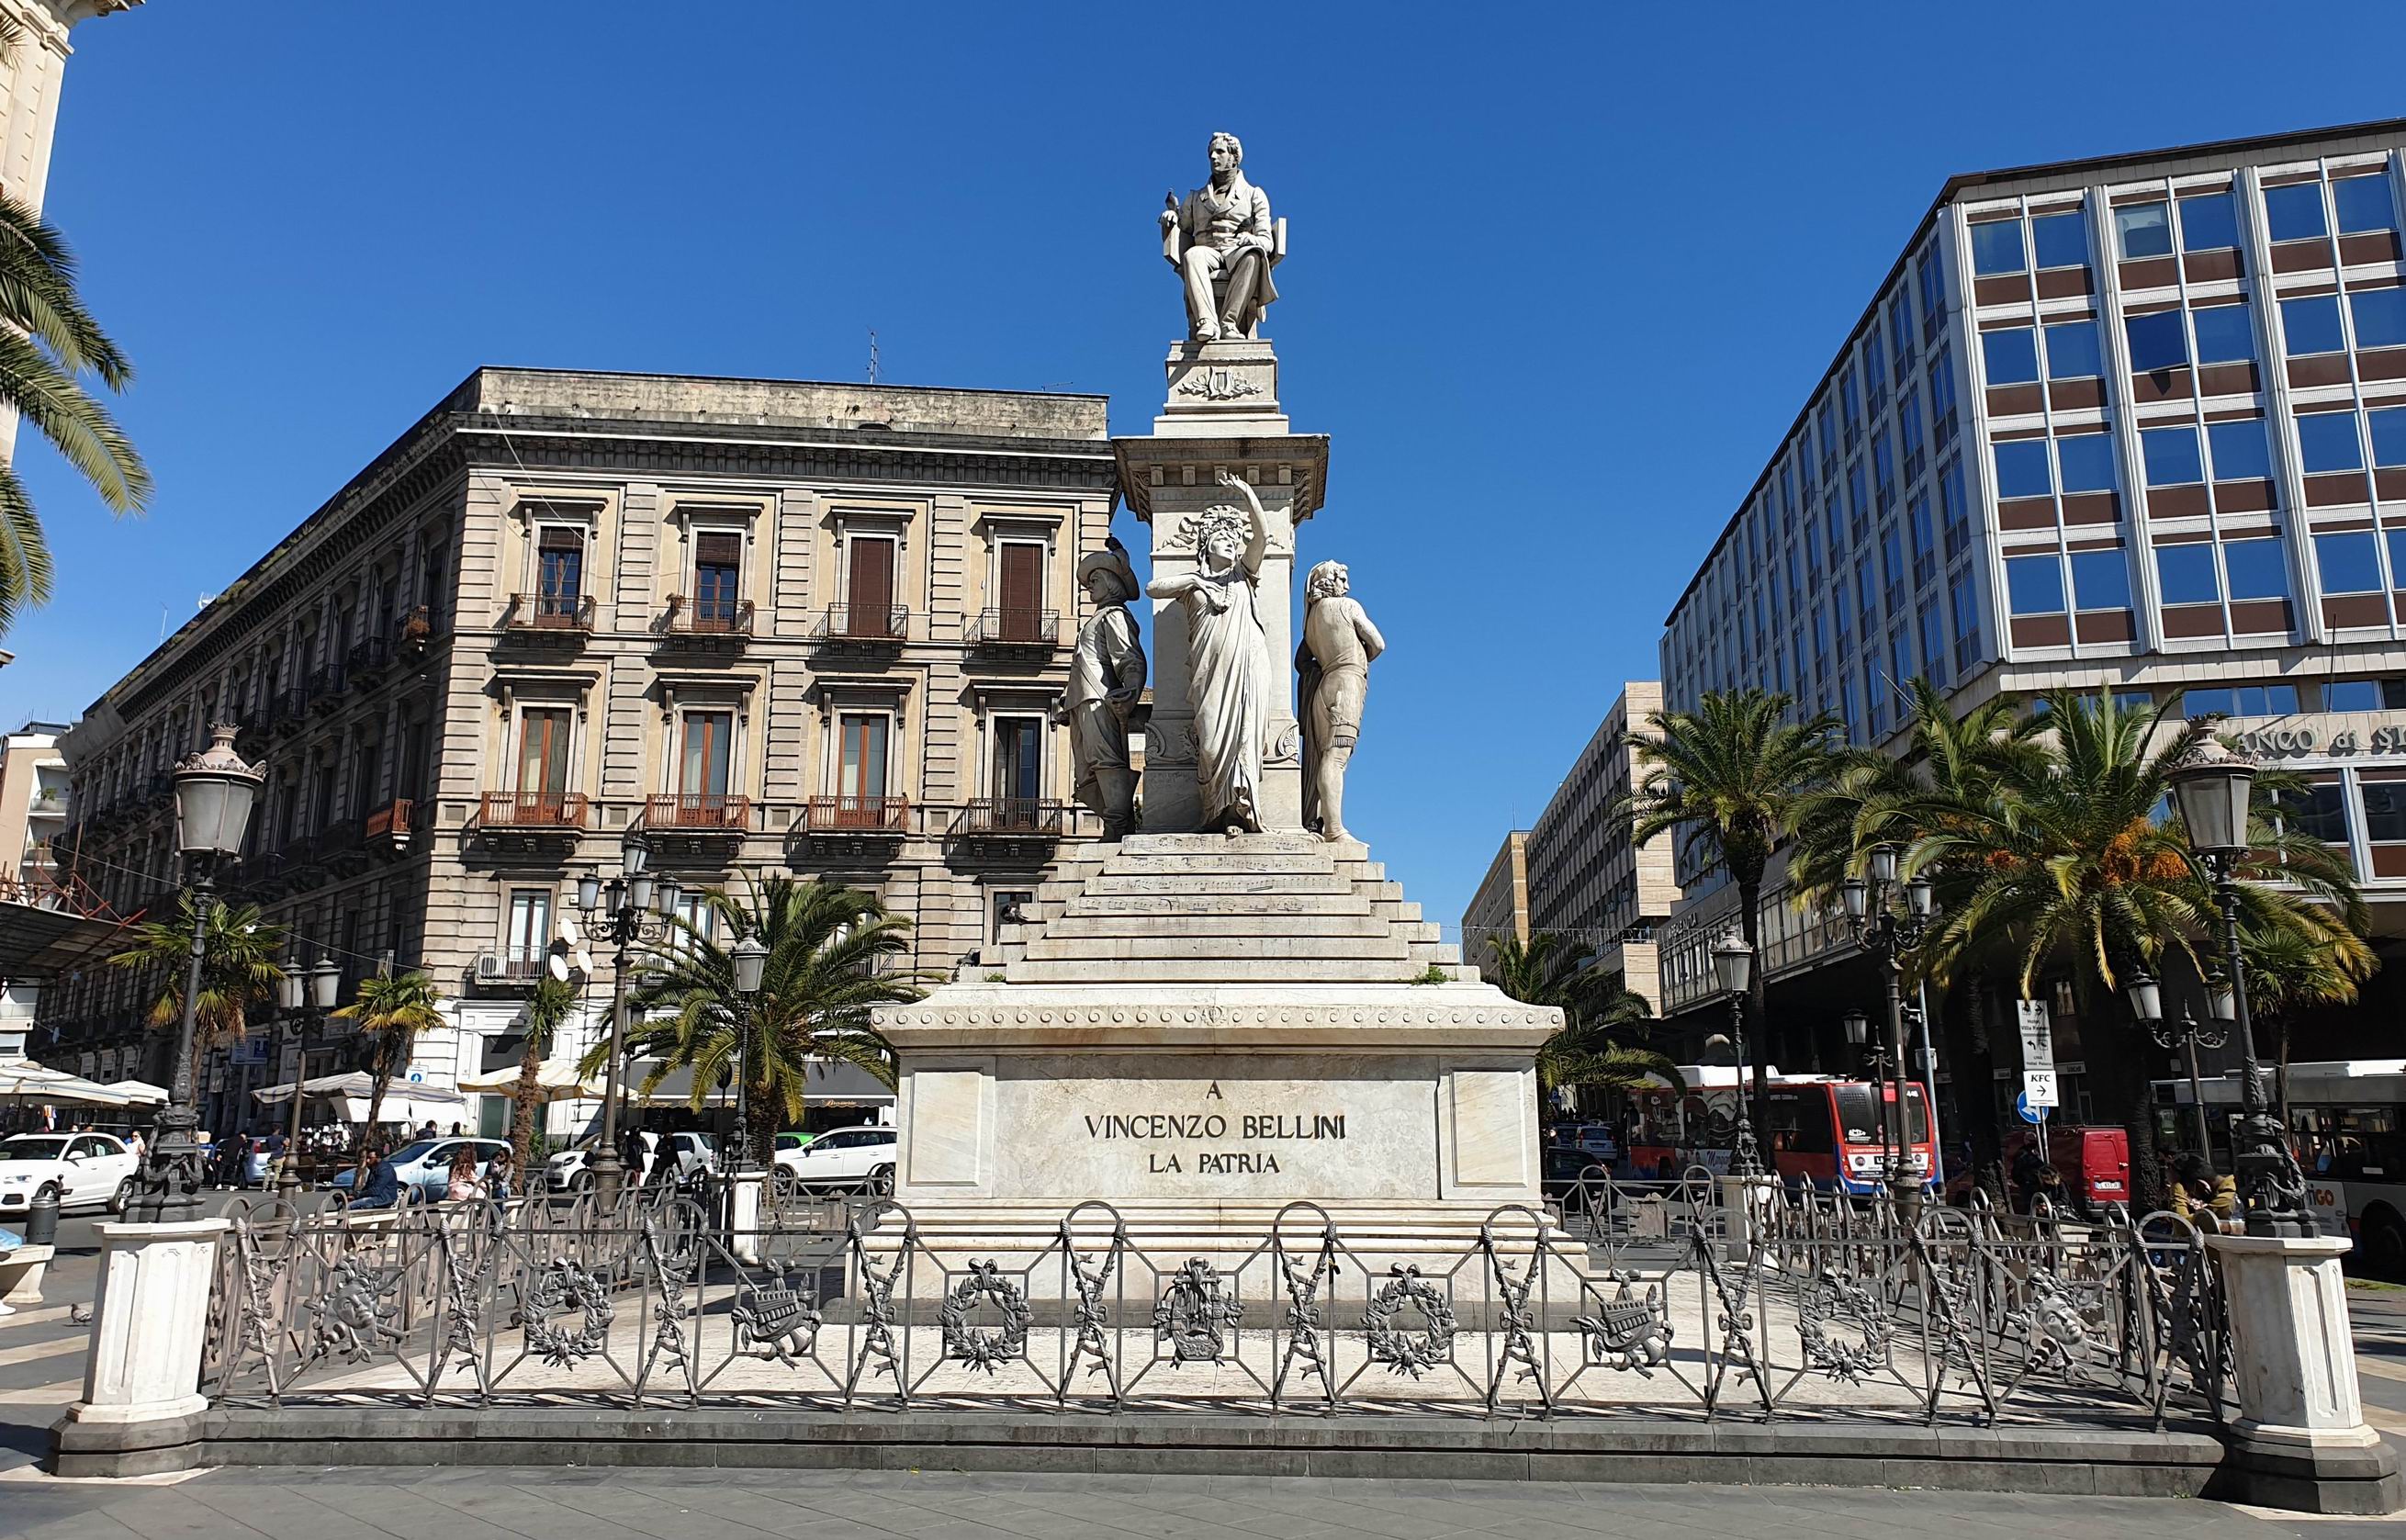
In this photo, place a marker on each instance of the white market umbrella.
(23, 1081)
(139, 1092)
(556, 1080)
(404, 1101)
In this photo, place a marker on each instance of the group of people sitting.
(379, 1187)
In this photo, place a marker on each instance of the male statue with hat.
(1106, 679)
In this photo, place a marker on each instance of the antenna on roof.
(872, 355)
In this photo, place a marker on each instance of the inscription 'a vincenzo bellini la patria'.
(1271, 1127)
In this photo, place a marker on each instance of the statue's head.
(1106, 576)
(1328, 580)
(1220, 535)
(1227, 153)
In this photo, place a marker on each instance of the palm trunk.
(1749, 927)
(523, 1100)
(2126, 1057)
(1974, 1061)
(2281, 1072)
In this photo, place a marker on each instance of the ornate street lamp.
(1888, 934)
(215, 792)
(627, 909)
(751, 959)
(305, 998)
(1733, 967)
(2213, 788)
(2147, 1006)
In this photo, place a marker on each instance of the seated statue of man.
(1225, 235)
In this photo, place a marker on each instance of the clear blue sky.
(1558, 278)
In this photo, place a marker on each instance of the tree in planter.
(1732, 776)
(238, 968)
(392, 1010)
(831, 954)
(553, 999)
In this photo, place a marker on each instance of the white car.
(569, 1171)
(858, 1159)
(81, 1170)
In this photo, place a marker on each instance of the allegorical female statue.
(1230, 684)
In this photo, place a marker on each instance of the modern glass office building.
(2136, 424)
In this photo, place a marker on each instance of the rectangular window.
(709, 739)
(1821, 638)
(1963, 600)
(2184, 575)
(1928, 276)
(1022, 574)
(2256, 568)
(2171, 457)
(1934, 646)
(2310, 326)
(1850, 401)
(1997, 247)
(543, 749)
(1899, 658)
(2100, 580)
(1883, 469)
(860, 765)
(1813, 548)
(2380, 315)
(1847, 700)
(1925, 547)
(2349, 563)
(2060, 240)
(2157, 341)
(1875, 371)
(2327, 441)
(2035, 584)
(2316, 812)
(2208, 222)
(2240, 450)
(1867, 597)
(2022, 468)
(718, 579)
(1909, 424)
(1899, 329)
(2389, 425)
(2145, 230)
(2072, 351)
(2242, 701)
(2225, 334)
(1954, 508)
(529, 932)
(2088, 461)
(1942, 396)
(560, 577)
(1019, 761)
(1892, 569)
(2011, 356)
(2385, 810)
(2364, 203)
(869, 586)
(2352, 695)
(2295, 213)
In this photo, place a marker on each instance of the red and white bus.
(1831, 1133)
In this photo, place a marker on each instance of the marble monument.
(1232, 1007)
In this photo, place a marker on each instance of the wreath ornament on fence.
(1407, 1351)
(986, 1348)
(563, 1288)
(1858, 1345)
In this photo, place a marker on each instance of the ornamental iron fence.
(1652, 1299)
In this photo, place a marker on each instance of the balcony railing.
(326, 689)
(883, 815)
(709, 616)
(518, 964)
(551, 612)
(856, 623)
(1010, 818)
(1014, 629)
(389, 822)
(533, 810)
(698, 813)
(367, 658)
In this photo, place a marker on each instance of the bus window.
(1863, 1121)
(1800, 1121)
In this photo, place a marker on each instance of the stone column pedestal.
(141, 1408)
(2300, 1440)
(743, 1216)
(1745, 1209)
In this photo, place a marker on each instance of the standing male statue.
(1106, 679)
(1334, 658)
(1222, 232)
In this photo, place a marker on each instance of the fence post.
(2301, 1440)
(1745, 1213)
(142, 1407)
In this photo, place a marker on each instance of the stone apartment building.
(763, 625)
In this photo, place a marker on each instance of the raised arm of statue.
(1257, 538)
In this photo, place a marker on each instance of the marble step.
(1210, 923)
(1166, 882)
(1117, 949)
(1215, 970)
(1268, 862)
(1205, 844)
(1098, 904)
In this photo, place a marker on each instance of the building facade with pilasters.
(763, 626)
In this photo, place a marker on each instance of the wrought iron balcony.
(696, 812)
(1011, 818)
(326, 689)
(387, 830)
(538, 812)
(1004, 631)
(512, 967)
(708, 618)
(415, 630)
(887, 817)
(858, 624)
(566, 612)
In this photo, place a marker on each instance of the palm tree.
(553, 999)
(1732, 776)
(828, 951)
(47, 342)
(392, 1011)
(2293, 968)
(238, 968)
(1600, 1015)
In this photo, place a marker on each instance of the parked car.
(569, 1171)
(80, 1170)
(860, 1159)
(423, 1167)
(1565, 1167)
(792, 1140)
